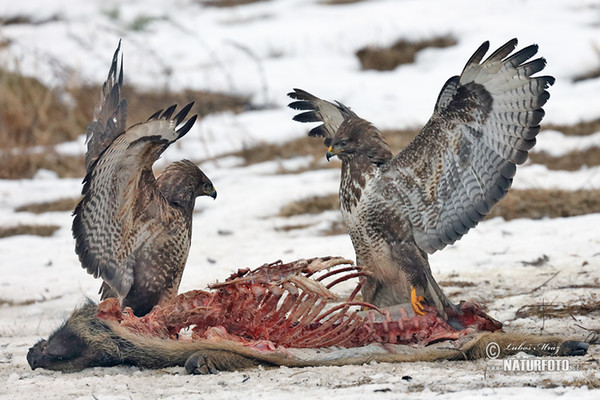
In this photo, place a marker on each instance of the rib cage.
(291, 305)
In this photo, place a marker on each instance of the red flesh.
(287, 305)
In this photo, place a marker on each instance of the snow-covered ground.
(263, 50)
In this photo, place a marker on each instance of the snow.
(263, 50)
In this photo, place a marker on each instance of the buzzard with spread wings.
(398, 208)
(133, 230)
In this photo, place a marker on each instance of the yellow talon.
(415, 302)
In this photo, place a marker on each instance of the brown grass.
(266, 151)
(36, 230)
(301, 147)
(401, 52)
(32, 114)
(571, 161)
(581, 128)
(25, 165)
(64, 204)
(558, 310)
(531, 203)
(538, 203)
(311, 205)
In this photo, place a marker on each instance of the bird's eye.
(207, 187)
(344, 143)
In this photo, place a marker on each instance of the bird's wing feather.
(318, 110)
(122, 205)
(110, 114)
(463, 161)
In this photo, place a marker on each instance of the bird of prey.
(398, 208)
(131, 229)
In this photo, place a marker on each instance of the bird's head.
(358, 137)
(182, 181)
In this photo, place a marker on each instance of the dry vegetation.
(311, 205)
(36, 230)
(530, 203)
(539, 203)
(401, 52)
(32, 114)
(587, 307)
(64, 204)
(573, 161)
(581, 128)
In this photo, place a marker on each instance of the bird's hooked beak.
(212, 193)
(331, 151)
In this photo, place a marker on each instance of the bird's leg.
(415, 302)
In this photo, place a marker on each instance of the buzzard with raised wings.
(131, 229)
(398, 208)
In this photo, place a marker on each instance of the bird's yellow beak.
(332, 152)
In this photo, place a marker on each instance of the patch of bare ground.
(310, 205)
(571, 161)
(35, 230)
(301, 147)
(540, 203)
(581, 128)
(529, 203)
(263, 152)
(32, 114)
(64, 204)
(401, 52)
(24, 165)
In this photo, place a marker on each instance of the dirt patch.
(140, 105)
(64, 204)
(401, 52)
(25, 165)
(581, 128)
(311, 205)
(530, 203)
(538, 203)
(571, 161)
(32, 114)
(35, 230)
(267, 152)
(305, 146)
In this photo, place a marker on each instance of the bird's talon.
(415, 302)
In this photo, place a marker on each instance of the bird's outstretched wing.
(110, 114)
(318, 110)
(123, 208)
(463, 161)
